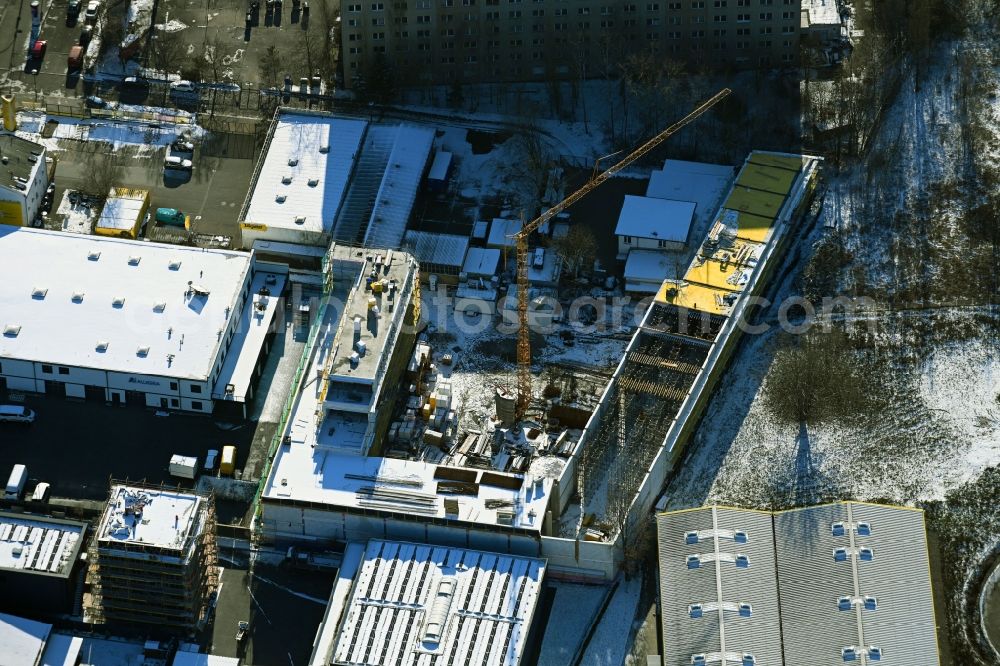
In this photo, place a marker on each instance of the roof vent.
(77, 297)
(293, 161)
(38, 293)
(94, 255)
(313, 182)
(280, 198)
(325, 148)
(286, 179)
(300, 219)
(102, 346)
(134, 260)
(118, 301)
(174, 265)
(159, 306)
(11, 330)
(142, 351)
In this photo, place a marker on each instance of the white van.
(41, 493)
(15, 483)
(17, 413)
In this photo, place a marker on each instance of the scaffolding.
(170, 586)
(642, 403)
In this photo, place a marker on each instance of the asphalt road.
(284, 608)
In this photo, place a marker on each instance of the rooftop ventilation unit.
(313, 182)
(159, 307)
(174, 265)
(102, 345)
(11, 330)
(77, 297)
(300, 219)
(293, 161)
(280, 198)
(325, 148)
(142, 351)
(38, 293)
(230, 389)
(134, 260)
(286, 179)
(94, 255)
(118, 301)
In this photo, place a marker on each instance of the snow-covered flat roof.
(142, 516)
(481, 261)
(432, 248)
(39, 545)
(459, 606)
(645, 270)
(305, 473)
(698, 182)
(440, 166)
(116, 304)
(255, 322)
(305, 171)
(185, 658)
(122, 210)
(400, 183)
(502, 232)
(22, 640)
(62, 650)
(659, 219)
(821, 12)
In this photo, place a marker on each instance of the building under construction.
(153, 559)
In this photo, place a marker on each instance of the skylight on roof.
(77, 297)
(142, 351)
(134, 260)
(38, 293)
(159, 306)
(11, 330)
(118, 302)
(174, 265)
(102, 345)
(94, 255)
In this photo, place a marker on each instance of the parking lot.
(77, 446)
(211, 194)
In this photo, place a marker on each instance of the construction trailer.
(153, 560)
(125, 210)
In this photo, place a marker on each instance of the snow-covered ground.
(573, 609)
(77, 218)
(611, 641)
(152, 129)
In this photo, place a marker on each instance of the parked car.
(85, 35)
(95, 102)
(175, 162)
(37, 50)
(211, 458)
(182, 145)
(135, 83)
(16, 414)
(172, 217)
(73, 8)
(92, 7)
(182, 87)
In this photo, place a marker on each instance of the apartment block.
(153, 560)
(474, 41)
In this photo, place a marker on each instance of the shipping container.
(185, 467)
(228, 465)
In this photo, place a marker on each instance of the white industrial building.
(301, 180)
(653, 224)
(414, 605)
(131, 322)
(23, 179)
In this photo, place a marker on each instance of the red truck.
(74, 62)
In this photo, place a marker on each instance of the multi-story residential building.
(471, 41)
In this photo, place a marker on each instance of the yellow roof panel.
(753, 227)
(756, 202)
(793, 163)
(713, 273)
(769, 179)
(695, 297)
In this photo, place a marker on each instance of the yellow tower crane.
(521, 242)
